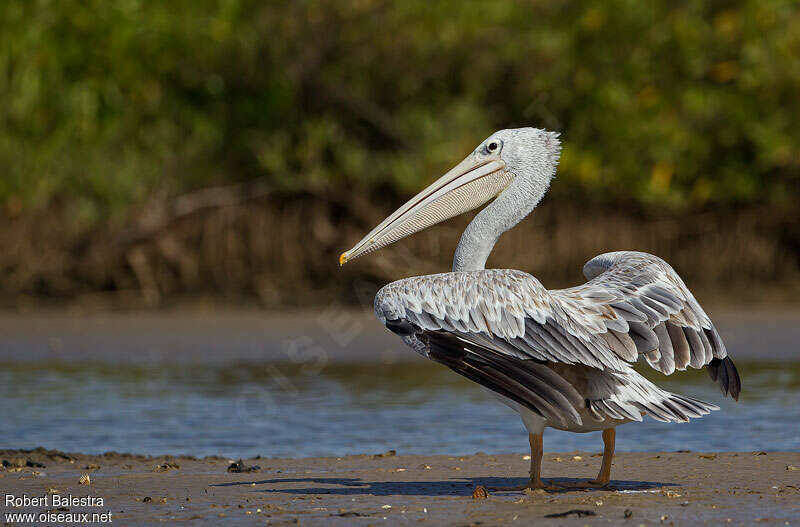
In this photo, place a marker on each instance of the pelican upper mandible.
(561, 358)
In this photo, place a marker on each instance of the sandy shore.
(667, 488)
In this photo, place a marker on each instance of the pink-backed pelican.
(561, 358)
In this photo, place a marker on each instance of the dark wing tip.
(725, 372)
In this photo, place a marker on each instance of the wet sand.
(658, 488)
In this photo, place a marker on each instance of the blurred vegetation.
(680, 104)
(312, 119)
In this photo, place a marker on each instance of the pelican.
(561, 358)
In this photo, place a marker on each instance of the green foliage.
(105, 103)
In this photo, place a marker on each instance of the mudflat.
(652, 488)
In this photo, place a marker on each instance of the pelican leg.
(535, 481)
(609, 440)
(604, 476)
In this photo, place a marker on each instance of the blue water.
(275, 409)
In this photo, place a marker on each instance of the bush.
(680, 105)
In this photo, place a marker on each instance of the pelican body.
(560, 358)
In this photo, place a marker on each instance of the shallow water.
(285, 410)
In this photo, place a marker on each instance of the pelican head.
(517, 162)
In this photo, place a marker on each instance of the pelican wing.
(633, 304)
(640, 306)
(507, 310)
(499, 328)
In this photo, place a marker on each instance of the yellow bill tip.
(342, 259)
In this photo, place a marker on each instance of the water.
(242, 409)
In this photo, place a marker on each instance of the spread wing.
(499, 328)
(650, 313)
(502, 308)
(633, 304)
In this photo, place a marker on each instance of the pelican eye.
(493, 146)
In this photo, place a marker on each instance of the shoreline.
(650, 488)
